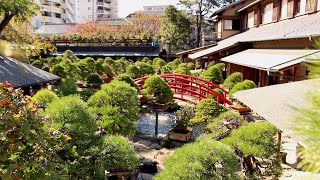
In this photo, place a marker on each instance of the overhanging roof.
(275, 104)
(195, 49)
(218, 47)
(299, 27)
(270, 59)
(227, 7)
(20, 74)
(249, 5)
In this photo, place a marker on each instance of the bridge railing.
(189, 85)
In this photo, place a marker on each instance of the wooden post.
(279, 141)
(157, 124)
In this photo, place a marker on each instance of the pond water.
(146, 123)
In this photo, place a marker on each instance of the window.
(310, 5)
(318, 5)
(284, 9)
(227, 24)
(232, 24)
(267, 13)
(301, 6)
(89, 8)
(250, 22)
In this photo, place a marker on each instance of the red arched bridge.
(189, 88)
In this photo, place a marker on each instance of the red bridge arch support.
(190, 87)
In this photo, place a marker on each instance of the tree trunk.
(7, 18)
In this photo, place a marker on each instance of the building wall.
(286, 44)
(77, 11)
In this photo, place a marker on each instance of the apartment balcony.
(68, 18)
(100, 11)
(68, 8)
(99, 3)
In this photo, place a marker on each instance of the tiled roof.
(20, 74)
(54, 29)
(227, 7)
(299, 27)
(276, 104)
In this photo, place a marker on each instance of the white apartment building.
(92, 10)
(77, 11)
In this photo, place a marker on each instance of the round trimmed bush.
(244, 85)
(182, 69)
(157, 87)
(232, 80)
(93, 79)
(44, 97)
(126, 78)
(207, 110)
(203, 159)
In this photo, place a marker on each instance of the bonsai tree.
(166, 69)
(175, 63)
(117, 153)
(66, 87)
(93, 80)
(252, 141)
(206, 159)
(37, 64)
(44, 97)
(126, 78)
(217, 126)
(184, 115)
(68, 54)
(232, 80)
(108, 70)
(182, 69)
(214, 73)
(158, 88)
(207, 110)
(59, 70)
(244, 85)
(191, 65)
(158, 63)
(116, 106)
(145, 69)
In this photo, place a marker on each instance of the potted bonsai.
(160, 90)
(181, 131)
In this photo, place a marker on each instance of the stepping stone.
(154, 146)
(144, 142)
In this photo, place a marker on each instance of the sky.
(128, 6)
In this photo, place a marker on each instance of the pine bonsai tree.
(158, 88)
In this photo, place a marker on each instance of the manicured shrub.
(66, 87)
(158, 63)
(184, 115)
(68, 54)
(145, 69)
(213, 74)
(117, 105)
(109, 61)
(191, 65)
(182, 69)
(117, 153)
(37, 63)
(204, 159)
(158, 88)
(256, 140)
(232, 80)
(133, 71)
(44, 97)
(166, 69)
(145, 59)
(244, 85)
(175, 63)
(71, 116)
(216, 127)
(207, 110)
(59, 70)
(93, 79)
(126, 78)
(107, 70)
(120, 66)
